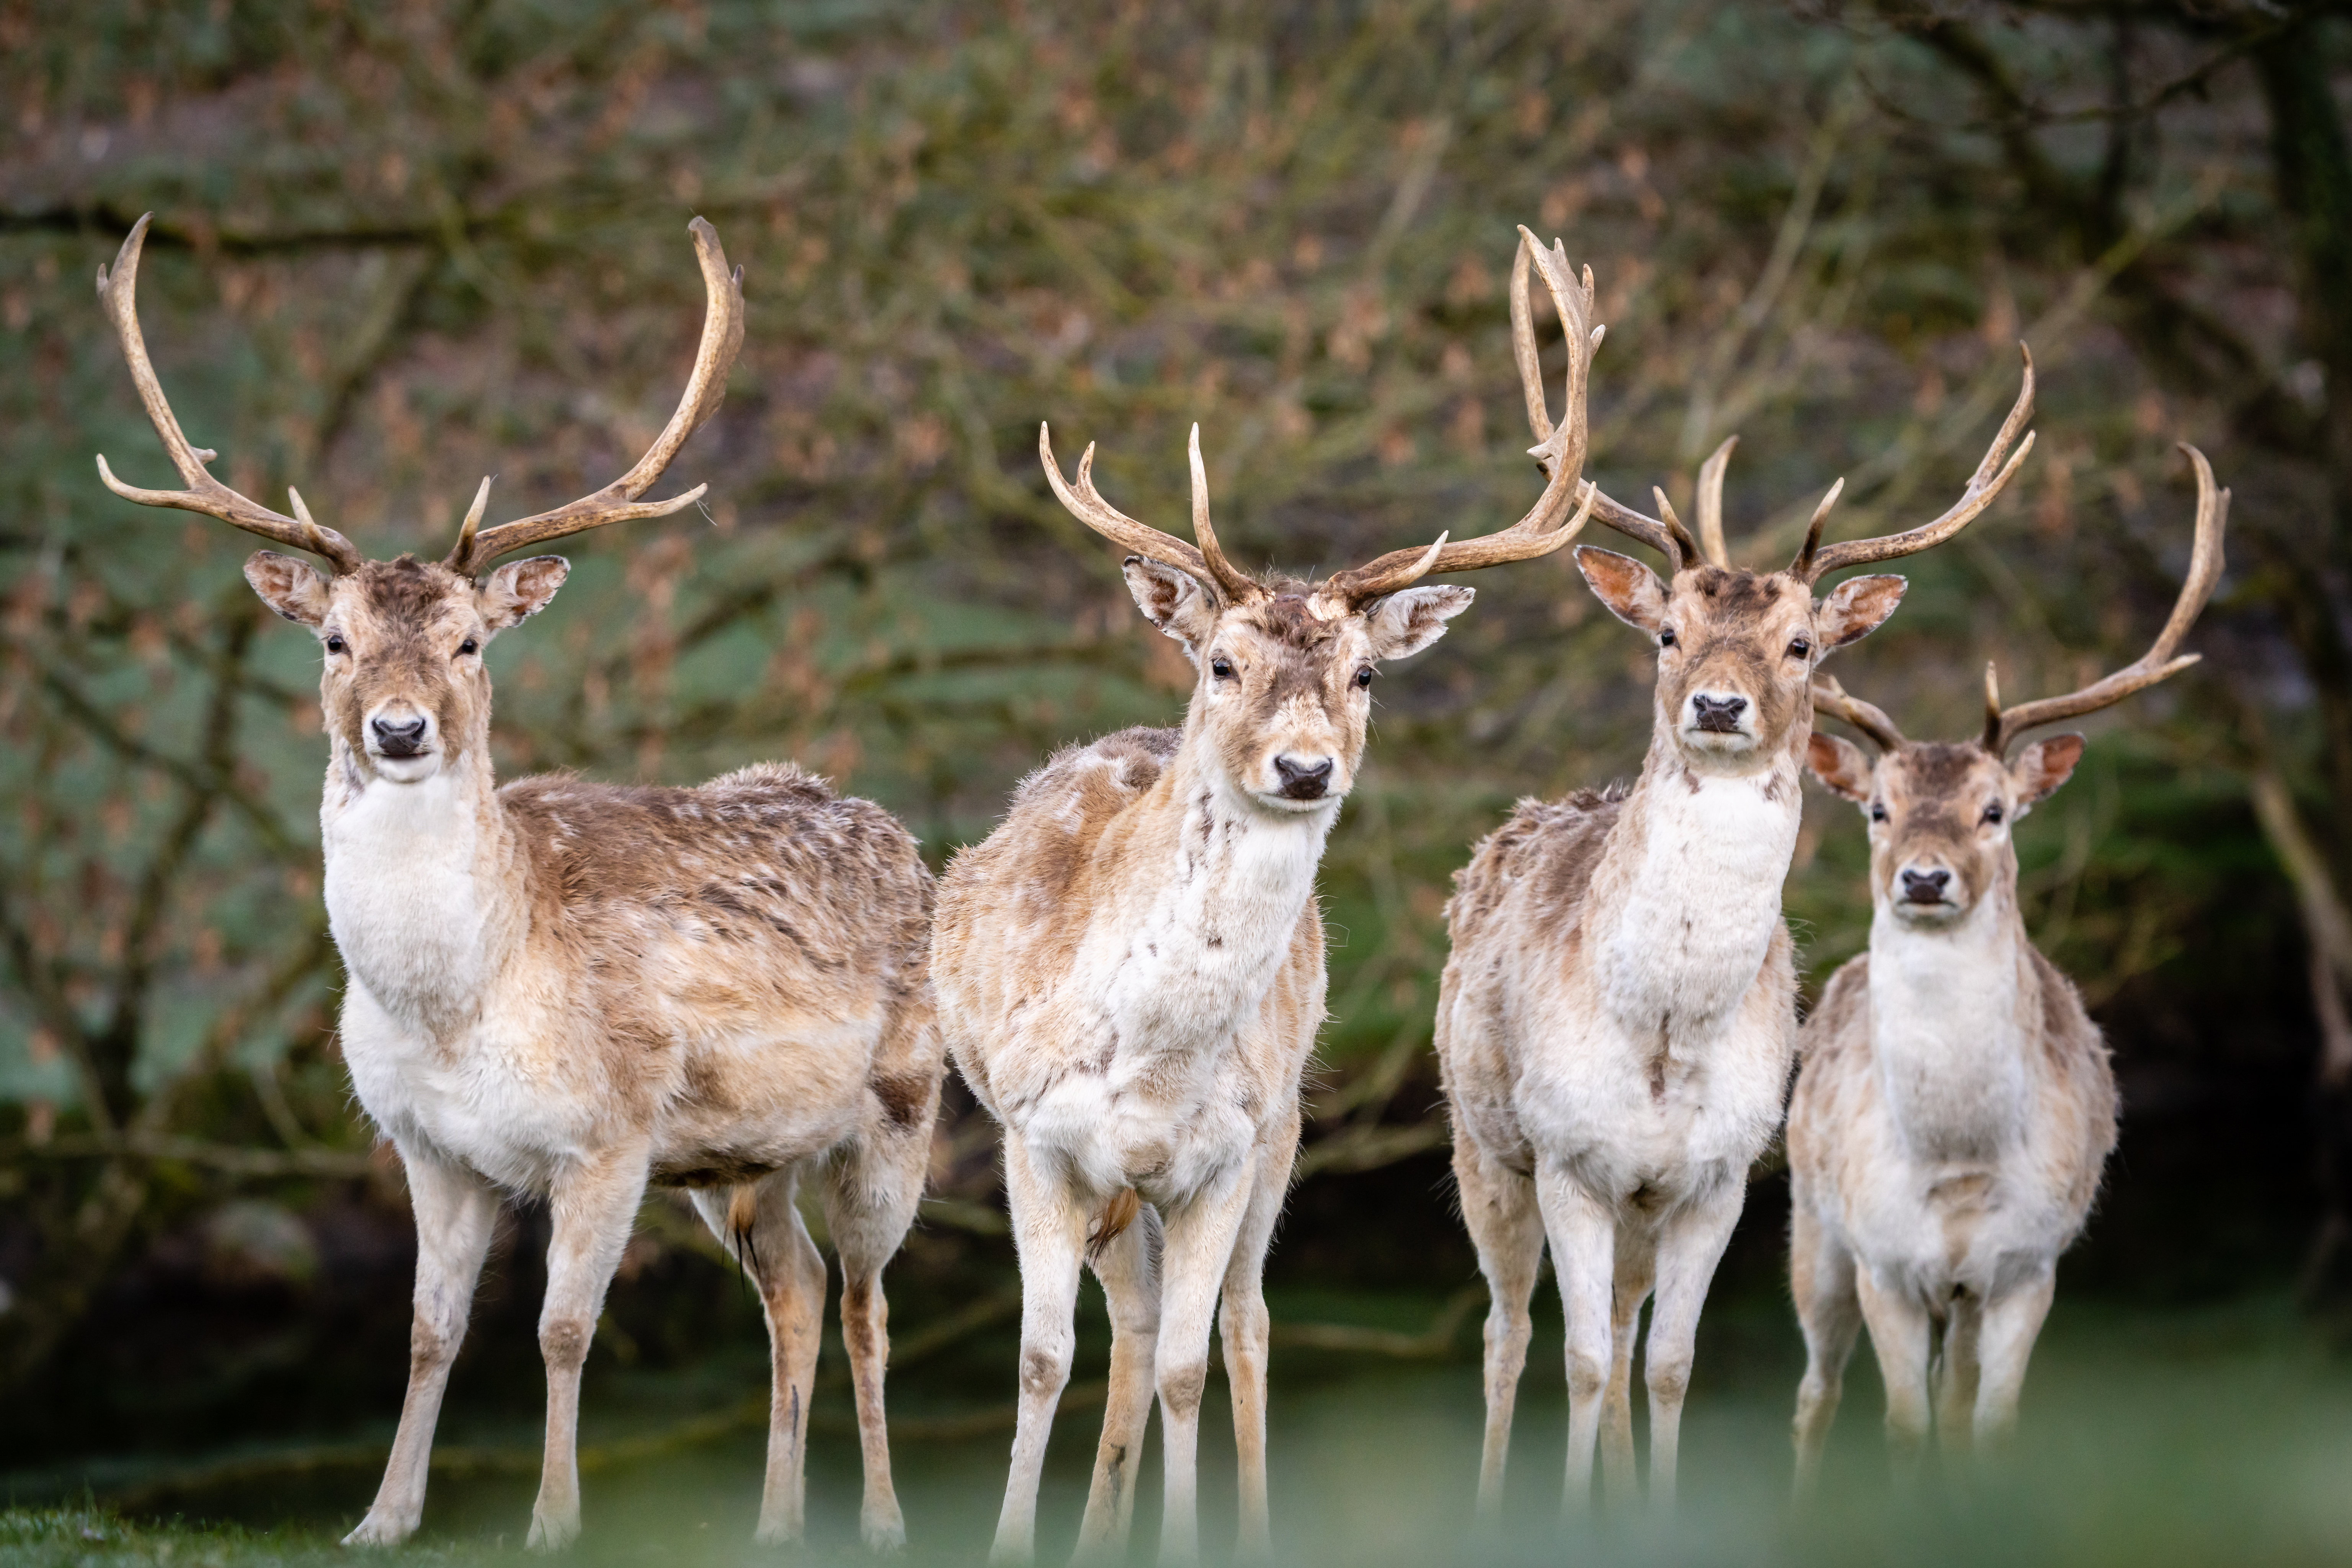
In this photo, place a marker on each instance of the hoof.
(778, 1532)
(553, 1534)
(884, 1533)
(377, 1529)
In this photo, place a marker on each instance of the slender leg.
(1583, 1237)
(455, 1214)
(1199, 1245)
(1637, 1267)
(1898, 1332)
(761, 1223)
(1049, 1233)
(2012, 1323)
(593, 1205)
(1821, 1273)
(1498, 1204)
(1244, 1327)
(1129, 1268)
(1956, 1380)
(1690, 1245)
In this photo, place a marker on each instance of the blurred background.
(398, 247)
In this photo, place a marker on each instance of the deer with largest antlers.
(1616, 1021)
(572, 991)
(1955, 1107)
(1130, 975)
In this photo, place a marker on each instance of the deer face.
(1285, 682)
(1939, 815)
(1737, 650)
(404, 689)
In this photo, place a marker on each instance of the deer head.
(1736, 648)
(1940, 811)
(404, 690)
(1284, 668)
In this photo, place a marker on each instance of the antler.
(117, 291)
(706, 388)
(1813, 563)
(2003, 725)
(1710, 503)
(1834, 700)
(1563, 447)
(1206, 565)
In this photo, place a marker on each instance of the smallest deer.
(1955, 1105)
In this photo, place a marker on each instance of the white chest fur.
(404, 900)
(1945, 1032)
(1700, 905)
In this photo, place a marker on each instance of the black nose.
(1301, 782)
(1720, 714)
(1924, 886)
(405, 737)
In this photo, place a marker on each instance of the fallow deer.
(1616, 1021)
(1130, 977)
(570, 990)
(1954, 1105)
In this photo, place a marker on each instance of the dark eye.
(1666, 637)
(1992, 812)
(1364, 677)
(1799, 649)
(468, 646)
(1221, 667)
(1877, 812)
(335, 643)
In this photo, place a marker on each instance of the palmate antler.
(2005, 725)
(722, 337)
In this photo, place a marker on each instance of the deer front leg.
(1899, 1333)
(1498, 1204)
(455, 1214)
(1246, 1327)
(2012, 1322)
(1584, 1236)
(1049, 1233)
(1957, 1370)
(870, 1202)
(1637, 1267)
(1690, 1245)
(1129, 1268)
(1193, 1260)
(1820, 1275)
(593, 1205)
(759, 1224)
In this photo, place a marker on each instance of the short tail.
(1116, 1216)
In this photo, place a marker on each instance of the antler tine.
(1710, 503)
(1834, 700)
(706, 388)
(1992, 476)
(1556, 446)
(1538, 533)
(1239, 588)
(2159, 663)
(118, 292)
(1085, 503)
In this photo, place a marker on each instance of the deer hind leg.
(1956, 1377)
(1127, 1265)
(1244, 1327)
(1690, 1245)
(1584, 1236)
(1499, 1206)
(1899, 1333)
(593, 1205)
(1198, 1248)
(455, 1215)
(1049, 1233)
(1821, 1277)
(2012, 1321)
(759, 1224)
(1637, 1267)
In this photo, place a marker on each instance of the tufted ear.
(1632, 591)
(1839, 765)
(292, 587)
(1173, 600)
(1856, 608)
(2041, 766)
(519, 590)
(1409, 621)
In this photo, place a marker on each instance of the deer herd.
(572, 991)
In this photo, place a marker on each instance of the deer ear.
(1632, 591)
(1856, 608)
(1171, 599)
(1839, 765)
(519, 590)
(292, 587)
(1407, 622)
(2041, 766)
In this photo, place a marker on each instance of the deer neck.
(423, 888)
(1948, 1026)
(1687, 898)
